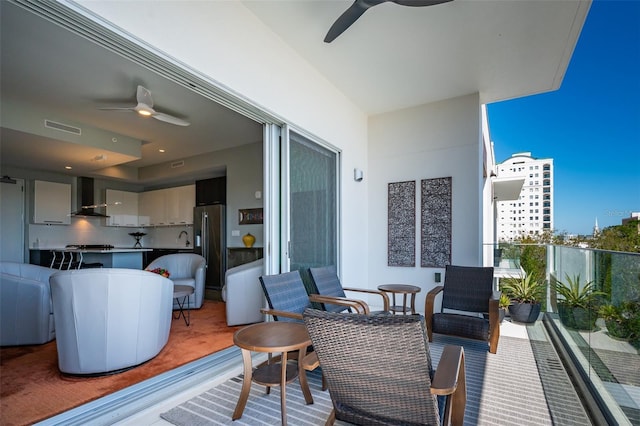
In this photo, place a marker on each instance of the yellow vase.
(248, 240)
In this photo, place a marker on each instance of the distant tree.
(533, 253)
(619, 238)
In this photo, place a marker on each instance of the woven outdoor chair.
(379, 372)
(325, 282)
(469, 305)
(288, 298)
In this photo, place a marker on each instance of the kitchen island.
(79, 257)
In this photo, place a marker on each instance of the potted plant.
(577, 308)
(503, 304)
(622, 321)
(525, 293)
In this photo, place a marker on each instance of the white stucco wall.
(430, 141)
(223, 40)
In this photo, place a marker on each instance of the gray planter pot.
(524, 312)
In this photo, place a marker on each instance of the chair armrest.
(445, 379)
(494, 321)
(358, 305)
(432, 295)
(310, 362)
(428, 310)
(449, 379)
(385, 296)
(276, 313)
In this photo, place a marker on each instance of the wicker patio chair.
(469, 305)
(379, 372)
(325, 282)
(288, 298)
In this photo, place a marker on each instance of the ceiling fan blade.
(117, 109)
(348, 17)
(419, 3)
(143, 96)
(170, 119)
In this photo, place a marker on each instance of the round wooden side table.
(403, 289)
(271, 337)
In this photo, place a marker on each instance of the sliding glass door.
(309, 203)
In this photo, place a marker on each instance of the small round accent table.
(183, 292)
(403, 289)
(271, 337)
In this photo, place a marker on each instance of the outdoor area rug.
(491, 395)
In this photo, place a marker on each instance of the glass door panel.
(313, 205)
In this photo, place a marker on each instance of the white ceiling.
(393, 57)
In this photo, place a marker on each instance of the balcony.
(603, 352)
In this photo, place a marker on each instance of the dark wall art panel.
(436, 222)
(401, 248)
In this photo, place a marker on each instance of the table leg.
(393, 295)
(404, 304)
(283, 389)
(246, 385)
(302, 376)
(187, 320)
(413, 303)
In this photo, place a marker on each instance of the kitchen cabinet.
(179, 205)
(122, 208)
(167, 207)
(52, 203)
(152, 208)
(211, 191)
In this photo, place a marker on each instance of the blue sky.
(590, 126)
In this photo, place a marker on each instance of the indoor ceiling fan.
(145, 108)
(358, 7)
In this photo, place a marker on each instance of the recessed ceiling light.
(161, 150)
(68, 167)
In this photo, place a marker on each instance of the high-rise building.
(532, 212)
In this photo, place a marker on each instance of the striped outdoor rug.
(495, 394)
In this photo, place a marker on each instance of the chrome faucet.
(188, 243)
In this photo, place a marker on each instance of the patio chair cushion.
(461, 325)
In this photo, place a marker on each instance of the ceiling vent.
(177, 164)
(62, 127)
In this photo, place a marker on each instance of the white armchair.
(243, 294)
(109, 319)
(26, 312)
(185, 269)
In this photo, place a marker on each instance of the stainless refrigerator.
(210, 242)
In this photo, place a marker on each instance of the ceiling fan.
(145, 108)
(358, 7)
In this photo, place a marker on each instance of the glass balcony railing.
(592, 306)
(601, 329)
